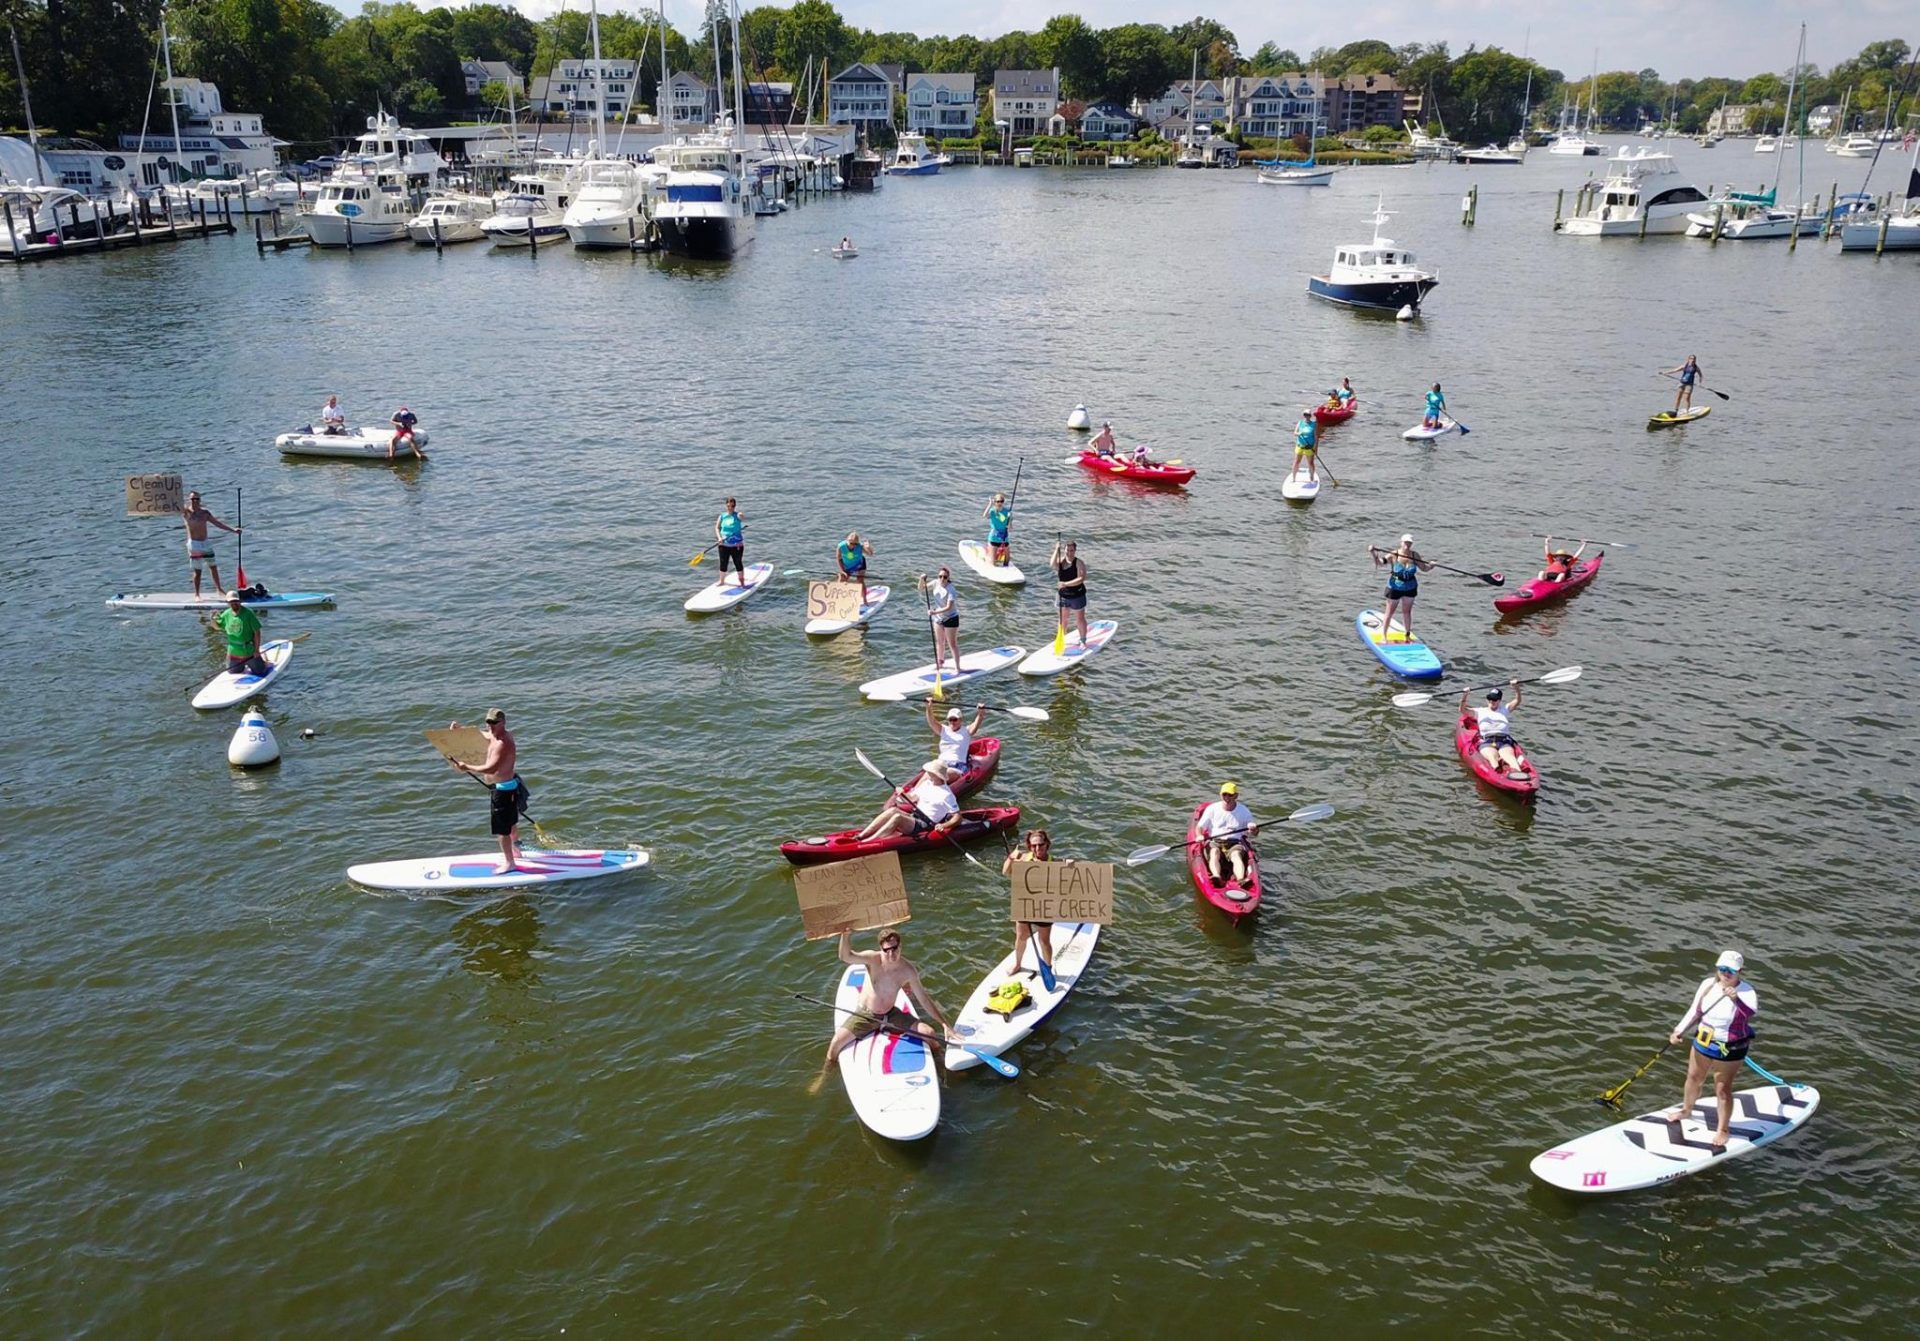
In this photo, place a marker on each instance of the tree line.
(315, 74)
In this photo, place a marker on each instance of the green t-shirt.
(242, 627)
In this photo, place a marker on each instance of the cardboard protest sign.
(155, 496)
(833, 600)
(1063, 891)
(856, 895)
(467, 744)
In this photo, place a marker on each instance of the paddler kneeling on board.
(889, 973)
(1436, 408)
(242, 627)
(929, 806)
(1721, 1017)
(1226, 827)
(1498, 749)
(999, 528)
(1103, 440)
(1559, 562)
(507, 795)
(1038, 847)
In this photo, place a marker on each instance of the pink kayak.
(1541, 592)
(1328, 414)
(1466, 739)
(1122, 468)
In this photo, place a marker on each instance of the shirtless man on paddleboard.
(199, 546)
(889, 973)
(505, 788)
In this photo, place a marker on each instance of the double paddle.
(1019, 710)
(1416, 699)
(1140, 856)
(1000, 1064)
(874, 769)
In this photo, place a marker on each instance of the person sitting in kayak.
(956, 738)
(1037, 847)
(888, 975)
(999, 528)
(1498, 749)
(1436, 408)
(1404, 566)
(730, 538)
(1306, 441)
(1070, 577)
(1688, 373)
(403, 422)
(846, 244)
(853, 562)
(1226, 828)
(928, 807)
(1143, 457)
(1559, 562)
(1103, 440)
(333, 419)
(1344, 395)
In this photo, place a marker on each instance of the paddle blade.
(1412, 700)
(697, 559)
(1494, 579)
(1059, 639)
(868, 764)
(1071, 461)
(1140, 856)
(1000, 1064)
(1308, 814)
(1565, 675)
(1464, 430)
(1027, 714)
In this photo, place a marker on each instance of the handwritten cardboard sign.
(155, 496)
(467, 744)
(833, 600)
(855, 895)
(1063, 891)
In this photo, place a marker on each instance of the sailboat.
(1518, 144)
(1902, 230)
(1190, 155)
(707, 214)
(1749, 216)
(606, 210)
(1285, 172)
(1572, 139)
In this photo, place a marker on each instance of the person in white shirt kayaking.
(944, 610)
(1721, 1020)
(1498, 748)
(955, 733)
(928, 806)
(888, 974)
(1103, 440)
(1226, 827)
(333, 419)
(1038, 846)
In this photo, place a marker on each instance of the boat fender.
(1008, 997)
(253, 744)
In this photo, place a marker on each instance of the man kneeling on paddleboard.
(242, 629)
(889, 973)
(929, 806)
(508, 795)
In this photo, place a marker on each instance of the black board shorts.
(504, 811)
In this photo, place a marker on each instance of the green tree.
(418, 100)
(1487, 92)
(1272, 58)
(812, 31)
(1141, 61)
(1068, 43)
(1367, 56)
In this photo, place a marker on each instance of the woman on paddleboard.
(1436, 408)
(999, 529)
(730, 535)
(944, 611)
(1071, 577)
(1688, 373)
(1559, 562)
(1721, 1018)
(1306, 442)
(1404, 566)
(1037, 847)
(1498, 748)
(853, 562)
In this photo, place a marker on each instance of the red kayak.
(982, 759)
(1466, 739)
(843, 845)
(1327, 414)
(1121, 468)
(1541, 592)
(1229, 895)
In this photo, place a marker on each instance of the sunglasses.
(1722, 968)
(889, 945)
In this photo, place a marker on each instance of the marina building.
(569, 90)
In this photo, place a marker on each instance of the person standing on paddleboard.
(999, 529)
(929, 806)
(852, 557)
(1070, 575)
(242, 628)
(730, 535)
(1306, 442)
(1497, 746)
(1404, 566)
(1721, 1017)
(508, 795)
(889, 973)
(1688, 373)
(1559, 562)
(1436, 408)
(1226, 828)
(199, 544)
(1038, 847)
(956, 739)
(944, 610)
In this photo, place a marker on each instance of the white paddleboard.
(1043, 662)
(1421, 433)
(227, 689)
(369, 444)
(1648, 1150)
(724, 594)
(1072, 944)
(890, 1078)
(826, 628)
(1299, 489)
(974, 554)
(481, 870)
(186, 600)
(920, 680)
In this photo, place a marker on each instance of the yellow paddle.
(1060, 638)
(695, 561)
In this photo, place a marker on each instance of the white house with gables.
(860, 95)
(940, 106)
(213, 143)
(1275, 107)
(1168, 112)
(1106, 120)
(692, 103)
(569, 89)
(1025, 99)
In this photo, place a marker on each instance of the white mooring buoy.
(1079, 418)
(253, 744)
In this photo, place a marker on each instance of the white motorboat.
(606, 210)
(1378, 275)
(30, 214)
(450, 217)
(520, 219)
(1491, 154)
(1855, 145)
(359, 213)
(1903, 233)
(1120, 161)
(1430, 148)
(706, 214)
(1624, 199)
(912, 158)
(370, 443)
(221, 195)
(1766, 144)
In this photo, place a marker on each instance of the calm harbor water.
(244, 1096)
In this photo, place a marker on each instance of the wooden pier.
(137, 227)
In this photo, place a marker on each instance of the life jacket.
(1008, 997)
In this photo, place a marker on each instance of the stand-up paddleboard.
(975, 555)
(1299, 489)
(186, 600)
(1421, 433)
(920, 680)
(1650, 1149)
(992, 1033)
(826, 628)
(481, 870)
(845, 253)
(726, 592)
(1668, 419)
(369, 444)
(1410, 660)
(889, 1077)
(227, 689)
(1043, 662)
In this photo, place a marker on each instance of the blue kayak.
(1409, 660)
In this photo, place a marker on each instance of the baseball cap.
(495, 715)
(235, 596)
(1731, 959)
(1407, 539)
(1229, 789)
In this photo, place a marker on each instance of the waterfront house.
(1107, 120)
(1357, 101)
(1731, 119)
(1168, 112)
(1275, 107)
(568, 90)
(767, 102)
(1024, 99)
(1822, 120)
(213, 143)
(940, 106)
(860, 95)
(692, 104)
(478, 74)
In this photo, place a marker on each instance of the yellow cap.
(1229, 789)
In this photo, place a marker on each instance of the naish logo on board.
(1598, 1179)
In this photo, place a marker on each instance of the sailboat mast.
(173, 103)
(1787, 118)
(661, 97)
(26, 101)
(599, 85)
